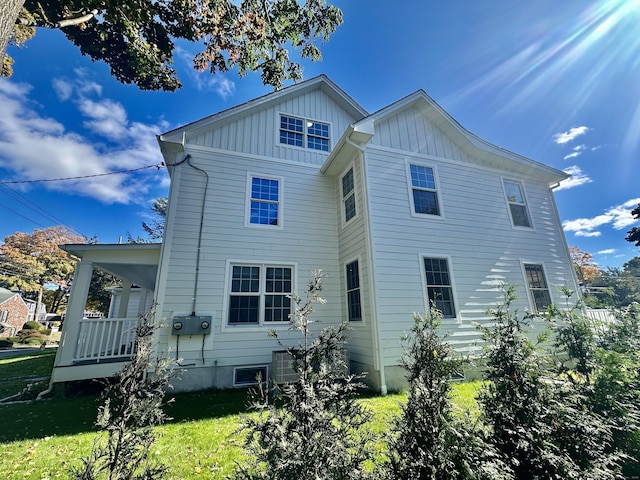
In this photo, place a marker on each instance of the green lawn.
(38, 440)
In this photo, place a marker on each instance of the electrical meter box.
(191, 325)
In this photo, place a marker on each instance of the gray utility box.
(191, 325)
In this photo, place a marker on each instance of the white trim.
(305, 120)
(280, 202)
(261, 326)
(407, 166)
(425, 296)
(343, 218)
(248, 367)
(357, 323)
(526, 203)
(532, 302)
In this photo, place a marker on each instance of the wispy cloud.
(617, 217)
(570, 135)
(607, 251)
(577, 178)
(205, 81)
(36, 147)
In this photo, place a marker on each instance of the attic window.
(304, 133)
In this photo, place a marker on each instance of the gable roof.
(361, 132)
(172, 142)
(6, 295)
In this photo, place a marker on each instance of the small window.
(264, 201)
(439, 286)
(300, 132)
(249, 375)
(424, 193)
(538, 288)
(354, 305)
(259, 294)
(348, 196)
(517, 204)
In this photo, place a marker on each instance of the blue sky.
(557, 82)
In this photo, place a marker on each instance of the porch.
(99, 347)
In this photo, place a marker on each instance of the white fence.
(105, 338)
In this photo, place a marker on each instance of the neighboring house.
(13, 312)
(398, 208)
(42, 311)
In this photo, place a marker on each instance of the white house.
(397, 207)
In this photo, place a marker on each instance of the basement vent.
(245, 376)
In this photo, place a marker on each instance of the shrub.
(6, 342)
(315, 428)
(32, 325)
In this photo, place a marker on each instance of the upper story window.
(259, 294)
(537, 284)
(439, 285)
(517, 204)
(301, 132)
(348, 195)
(264, 202)
(424, 191)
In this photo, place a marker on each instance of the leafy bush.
(315, 429)
(32, 325)
(6, 342)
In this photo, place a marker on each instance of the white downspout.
(372, 284)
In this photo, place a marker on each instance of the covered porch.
(98, 347)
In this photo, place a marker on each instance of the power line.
(156, 165)
(20, 215)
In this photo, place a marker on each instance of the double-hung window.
(517, 204)
(259, 294)
(423, 189)
(301, 132)
(354, 305)
(264, 204)
(348, 196)
(439, 285)
(538, 289)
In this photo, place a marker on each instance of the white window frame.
(346, 291)
(248, 367)
(279, 202)
(525, 204)
(530, 296)
(410, 189)
(305, 132)
(261, 325)
(425, 285)
(351, 194)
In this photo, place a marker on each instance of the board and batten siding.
(257, 133)
(307, 240)
(474, 233)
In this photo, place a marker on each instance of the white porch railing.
(101, 339)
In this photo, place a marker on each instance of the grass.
(16, 372)
(39, 440)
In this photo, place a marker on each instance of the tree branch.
(65, 22)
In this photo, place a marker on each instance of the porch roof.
(136, 262)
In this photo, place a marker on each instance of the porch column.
(142, 304)
(124, 298)
(75, 312)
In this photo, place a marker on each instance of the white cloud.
(571, 134)
(206, 81)
(607, 251)
(572, 155)
(618, 217)
(578, 177)
(35, 147)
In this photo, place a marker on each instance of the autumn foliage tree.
(136, 39)
(30, 260)
(586, 269)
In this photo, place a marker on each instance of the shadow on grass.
(70, 416)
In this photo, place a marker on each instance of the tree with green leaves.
(430, 439)
(633, 235)
(137, 38)
(312, 428)
(28, 261)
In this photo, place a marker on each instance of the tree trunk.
(9, 10)
(38, 303)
